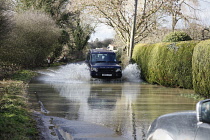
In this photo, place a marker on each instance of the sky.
(103, 31)
(205, 12)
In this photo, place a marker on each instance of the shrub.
(176, 37)
(141, 55)
(201, 68)
(168, 64)
(34, 37)
(5, 22)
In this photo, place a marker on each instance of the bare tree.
(118, 15)
(179, 10)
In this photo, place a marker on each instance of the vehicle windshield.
(103, 57)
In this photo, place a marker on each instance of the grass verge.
(16, 121)
(194, 96)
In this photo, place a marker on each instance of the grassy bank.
(16, 121)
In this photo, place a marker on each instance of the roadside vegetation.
(183, 64)
(201, 68)
(16, 121)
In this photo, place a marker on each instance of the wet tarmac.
(76, 107)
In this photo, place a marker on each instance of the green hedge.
(201, 68)
(168, 64)
(176, 37)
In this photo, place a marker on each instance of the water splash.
(132, 73)
(71, 73)
(79, 73)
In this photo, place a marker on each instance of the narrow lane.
(125, 107)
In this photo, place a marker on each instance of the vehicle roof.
(100, 51)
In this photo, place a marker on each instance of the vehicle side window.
(205, 112)
(112, 58)
(93, 57)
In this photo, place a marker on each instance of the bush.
(176, 37)
(201, 68)
(34, 37)
(5, 22)
(168, 64)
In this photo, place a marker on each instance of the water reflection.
(99, 97)
(127, 108)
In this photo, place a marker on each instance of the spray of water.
(71, 73)
(79, 73)
(132, 73)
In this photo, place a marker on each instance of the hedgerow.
(201, 68)
(168, 64)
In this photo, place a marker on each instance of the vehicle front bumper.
(105, 75)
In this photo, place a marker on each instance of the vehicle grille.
(106, 70)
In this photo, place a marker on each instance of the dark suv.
(103, 64)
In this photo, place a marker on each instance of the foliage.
(64, 38)
(15, 120)
(5, 21)
(75, 33)
(201, 68)
(176, 37)
(79, 33)
(23, 75)
(168, 64)
(49, 6)
(34, 37)
(56, 9)
(7, 69)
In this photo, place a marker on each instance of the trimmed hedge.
(167, 64)
(201, 68)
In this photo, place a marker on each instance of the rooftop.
(101, 51)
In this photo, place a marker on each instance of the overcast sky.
(103, 32)
(205, 12)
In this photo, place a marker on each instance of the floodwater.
(126, 106)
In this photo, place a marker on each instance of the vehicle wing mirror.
(119, 62)
(203, 111)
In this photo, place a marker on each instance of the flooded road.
(127, 107)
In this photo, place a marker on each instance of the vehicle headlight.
(118, 70)
(94, 69)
